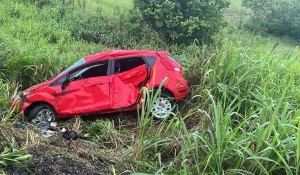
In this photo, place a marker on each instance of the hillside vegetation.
(242, 114)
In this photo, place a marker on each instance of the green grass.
(104, 7)
(11, 153)
(241, 116)
(237, 16)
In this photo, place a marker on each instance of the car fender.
(43, 97)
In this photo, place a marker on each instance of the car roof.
(121, 53)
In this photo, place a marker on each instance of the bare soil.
(59, 156)
(62, 157)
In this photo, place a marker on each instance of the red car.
(105, 82)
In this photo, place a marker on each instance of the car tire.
(163, 106)
(42, 113)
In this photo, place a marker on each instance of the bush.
(182, 22)
(115, 31)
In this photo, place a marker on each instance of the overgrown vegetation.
(182, 22)
(34, 37)
(241, 117)
(10, 153)
(279, 18)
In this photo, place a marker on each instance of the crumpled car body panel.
(125, 87)
(85, 96)
(106, 82)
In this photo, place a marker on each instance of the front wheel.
(163, 106)
(42, 113)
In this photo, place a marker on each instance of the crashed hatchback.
(105, 82)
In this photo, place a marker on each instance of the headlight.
(25, 93)
(15, 98)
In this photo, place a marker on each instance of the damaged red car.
(106, 82)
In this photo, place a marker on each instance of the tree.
(277, 17)
(183, 21)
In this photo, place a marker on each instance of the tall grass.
(248, 104)
(43, 40)
(10, 153)
(106, 134)
(8, 91)
(241, 117)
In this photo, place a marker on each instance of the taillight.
(178, 69)
(171, 65)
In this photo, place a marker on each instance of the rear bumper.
(181, 90)
(178, 86)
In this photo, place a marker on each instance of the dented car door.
(128, 77)
(87, 90)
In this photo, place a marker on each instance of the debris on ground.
(47, 133)
(69, 135)
(20, 125)
(48, 129)
(44, 128)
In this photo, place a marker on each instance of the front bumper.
(18, 104)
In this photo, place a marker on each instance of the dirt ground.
(56, 164)
(61, 157)
(58, 156)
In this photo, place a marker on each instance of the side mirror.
(64, 86)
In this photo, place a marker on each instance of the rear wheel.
(42, 113)
(163, 106)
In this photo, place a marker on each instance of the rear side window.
(126, 64)
(150, 60)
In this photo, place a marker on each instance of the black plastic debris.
(69, 135)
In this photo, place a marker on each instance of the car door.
(86, 90)
(128, 76)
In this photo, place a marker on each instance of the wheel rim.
(162, 108)
(45, 115)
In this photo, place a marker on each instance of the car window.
(150, 60)
(77, 64)
(95, 70)
(122, 65)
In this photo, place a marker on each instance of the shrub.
(114, 31)
(182, 22)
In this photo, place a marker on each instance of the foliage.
(45, 40)
(11, 155)
(105, 134)
(8, 92)
(279, 18)
(246, 104)
(242, 115)
(116, 31)
(182, 22)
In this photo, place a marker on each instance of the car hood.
(37, 86)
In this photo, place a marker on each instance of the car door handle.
(98, 83)
(138, 74)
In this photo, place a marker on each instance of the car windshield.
(78, 63)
